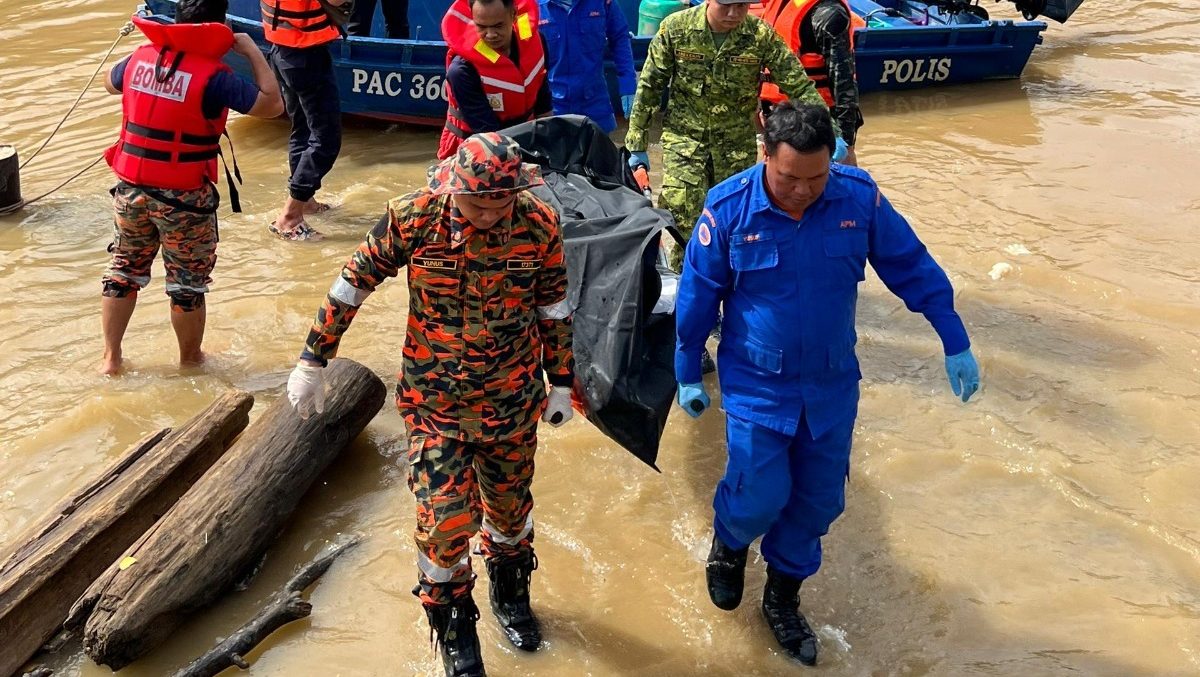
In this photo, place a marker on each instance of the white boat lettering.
(392, 84)
(915, 70)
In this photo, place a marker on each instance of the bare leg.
(114, 318)
(189, 331)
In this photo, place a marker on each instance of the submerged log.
(224, 523)
(286, 606)
(59, 556)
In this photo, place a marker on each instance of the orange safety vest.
(297, 23)
(787, 17)
(511, 88)
(166, 142)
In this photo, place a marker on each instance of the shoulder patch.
(703, 234)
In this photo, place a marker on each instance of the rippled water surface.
(1051, 527)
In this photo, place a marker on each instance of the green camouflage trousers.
(460, 487)
(142, 222)
(687, 178)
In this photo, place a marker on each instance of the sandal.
(315, 207)
(301, 233)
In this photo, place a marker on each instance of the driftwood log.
(286, 606)
(224, 523)
(60, 555)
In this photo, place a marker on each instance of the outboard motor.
(1059, 10)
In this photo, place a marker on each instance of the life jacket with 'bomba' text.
(166, 142)
(511, 88)
(787, 17)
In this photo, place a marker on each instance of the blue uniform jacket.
(577, 38)
(789, 291)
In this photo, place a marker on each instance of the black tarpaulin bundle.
(624, 351)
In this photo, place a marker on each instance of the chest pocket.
(847, 250)
(691, 72)
(754, 258)
(519, 275)
(435, 279)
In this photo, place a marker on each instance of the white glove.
(306, 389)
(558, 408)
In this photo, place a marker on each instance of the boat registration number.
(415, 86)
(915, 70)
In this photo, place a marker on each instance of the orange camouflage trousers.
(462, 488)
(188, 239)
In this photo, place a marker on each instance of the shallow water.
(1051, 526)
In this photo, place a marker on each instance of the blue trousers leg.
(818, 469)
(599, 109)
(757, 482)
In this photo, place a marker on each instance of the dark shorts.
(143, 223)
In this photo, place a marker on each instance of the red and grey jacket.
(787, 18)
(511, 88)
(166, 142)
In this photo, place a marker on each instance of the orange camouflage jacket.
(488, 314)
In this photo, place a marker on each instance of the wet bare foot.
(110, 365)
(315, 207)
(194, 360)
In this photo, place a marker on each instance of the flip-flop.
(301, 233)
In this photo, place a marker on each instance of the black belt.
(168, 135)
(166, 156)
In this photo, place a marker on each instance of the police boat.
(900, 44)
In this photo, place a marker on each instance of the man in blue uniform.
(782, 247)
(578, 33)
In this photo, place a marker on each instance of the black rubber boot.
(510, 600)
(454, 626)
(780, 606)
(726, 574)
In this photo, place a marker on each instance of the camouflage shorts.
(143, 221)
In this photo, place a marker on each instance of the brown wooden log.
(224, 523)
(285, 606)
(55, 560)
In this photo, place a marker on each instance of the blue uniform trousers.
(786, 489)
(598, 108)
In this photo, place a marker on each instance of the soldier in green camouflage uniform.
(711, 57)
(488, 317)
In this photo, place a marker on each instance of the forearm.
(840, 61)
(260, 70)
(332, 321)
(558, 355)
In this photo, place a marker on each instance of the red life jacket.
(787, 17)
(166, 142)
(296, 23)
(511, 88)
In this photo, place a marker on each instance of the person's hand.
(558, 407)
(839, 151)
(627, 104)
(243, 44)
(851, 158)
(639, 157)
(306, 389)
(693, 399)
(963, 372)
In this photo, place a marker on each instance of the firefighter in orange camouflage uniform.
(488, 315)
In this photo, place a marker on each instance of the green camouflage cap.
(485, 164)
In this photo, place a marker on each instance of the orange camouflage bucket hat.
(485, 164)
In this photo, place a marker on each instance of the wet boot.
(780, 606)
(454, 626)
(726, 574)
(510, 600)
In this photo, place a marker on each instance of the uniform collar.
(760, 201)
(461, 229)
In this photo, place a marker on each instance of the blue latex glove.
(963, 371)
(639, 157)
(693, 399)
(839, 152)
(627, 104)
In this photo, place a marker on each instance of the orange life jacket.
(787, 17)
(166, 142)
(297, 23)
(511, 88)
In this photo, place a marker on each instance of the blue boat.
(904, 45)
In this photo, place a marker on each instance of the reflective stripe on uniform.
(347, 293)
(494, 533)
(503, 84)
(439, 574)
(557, 311)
